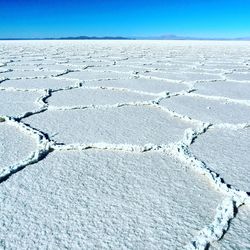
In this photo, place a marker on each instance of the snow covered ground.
(124, 145)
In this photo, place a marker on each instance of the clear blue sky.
(56, 18)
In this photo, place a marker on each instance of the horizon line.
(161, 37)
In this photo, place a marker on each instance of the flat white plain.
(124, 145)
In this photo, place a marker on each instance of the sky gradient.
(54, 18)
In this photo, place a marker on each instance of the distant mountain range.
(95, 38)
(163, 37)
(74, 38)
(175, 37)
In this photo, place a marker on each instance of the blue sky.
(57, 18)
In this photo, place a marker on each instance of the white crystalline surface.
(27, 74)
(230, 89)
(141, 84)
(124, 145)
(37, 83)
(240, 76)
(78, 97)
(124, 125)
(14, 145)
(104, 200)
(238, 235)
(185, 76)
(207, 110)
(14, 103)
(94, 75)
(227, 153)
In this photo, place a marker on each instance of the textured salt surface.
(14, 103)
(126, 125)
(96, 96)
(94, 75)
(104, 200)
(37, 83)
(14, 145)
(124, 145)
(230, 89)
(141, 84)
(27, 74)
(227, 153)
(207, 110)
(238, 235)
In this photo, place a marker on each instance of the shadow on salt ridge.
(238, 235)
